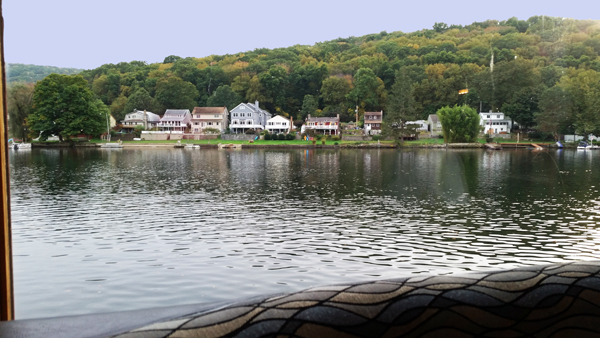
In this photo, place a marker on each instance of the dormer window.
(497, 116)
(488, 116)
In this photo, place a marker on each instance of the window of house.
(488, 116)
(498, 116)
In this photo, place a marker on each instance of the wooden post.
(6, 280)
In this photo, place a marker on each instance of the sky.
(89, 33)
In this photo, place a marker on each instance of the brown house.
(373, 121)
(209, 117)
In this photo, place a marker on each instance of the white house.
(421, 125)
(495, 123)
(175, 120)
(322, 125)
(278, 124)
(140, 118)
(435, 126)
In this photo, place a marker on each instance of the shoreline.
(288, 146)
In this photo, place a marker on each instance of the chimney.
(256, 104)
(145, 120)
(308, 116)
(291, 123)
(338, 116)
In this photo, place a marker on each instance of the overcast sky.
(89, 33)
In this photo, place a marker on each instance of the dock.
(522, 145)
(492, 146)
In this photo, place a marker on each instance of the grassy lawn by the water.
(425, 141)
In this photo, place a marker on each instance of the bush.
(335, 144)
(289, 136)
(376, 137)
(319, 136)
(323, 142)
(314, 142)
(335, 138)
(281, 137)
(459, 123)
(267, 137)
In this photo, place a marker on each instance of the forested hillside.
(18, 72)
(544, 72)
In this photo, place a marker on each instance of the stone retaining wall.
(237, 137)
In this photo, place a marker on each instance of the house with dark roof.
(136, 118)
(209, 117)
(322, 125)
(372, 122)
(247, 116)
(175, 120)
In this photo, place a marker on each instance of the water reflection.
(116, 230)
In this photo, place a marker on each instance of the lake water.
(110, 230)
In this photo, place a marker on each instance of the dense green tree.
(19, 98)
(555, 111)
(369, 91)
(274, 83)
(172, 58)
(224, 96)
(174, 93)
(139, 100)
(400, 109)
(65, 106)
(459, 124)
(335, 89)
(523, 106)
(309, 106)
(583, 87)
(117, 108)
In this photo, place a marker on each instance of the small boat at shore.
(585, 146)
(229, 146)
(117, 145)
(21, 146)
(191, 146)
(16, 146)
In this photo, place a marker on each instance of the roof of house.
(434, 118)
(175, 115)
(150, 116)
(209, 110)
(322, 119)
(252, 107)
(278, 117)
(374, 113)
